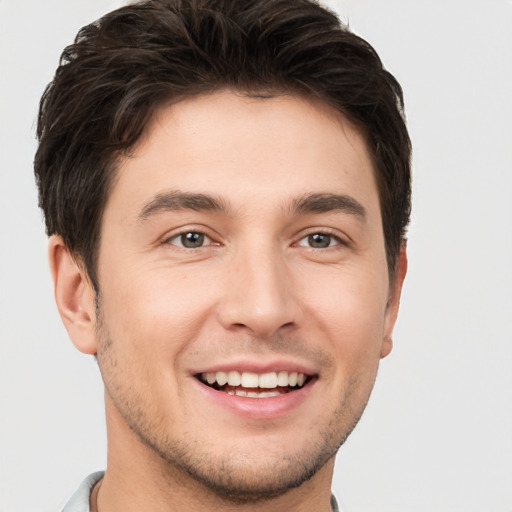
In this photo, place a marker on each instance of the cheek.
(350, 310)
(156, 312)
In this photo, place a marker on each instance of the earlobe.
(393, 304)
(387, 345)
(74, 296)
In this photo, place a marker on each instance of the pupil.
(192, 240)
(319, 240)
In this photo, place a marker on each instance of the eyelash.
(179, 236)
(204, 237)
(325, 232)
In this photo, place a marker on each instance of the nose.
(258, 295)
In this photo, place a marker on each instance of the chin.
(241, 477)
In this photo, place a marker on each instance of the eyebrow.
(324, 203)
(176, 201)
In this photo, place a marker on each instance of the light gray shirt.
(79, 502)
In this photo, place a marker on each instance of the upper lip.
(258, 367)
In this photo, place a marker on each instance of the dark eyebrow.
(323, 203)
(176, 200)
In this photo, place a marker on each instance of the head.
(227, 185)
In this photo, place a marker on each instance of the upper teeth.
(253, 380)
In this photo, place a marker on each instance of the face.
(244, 295)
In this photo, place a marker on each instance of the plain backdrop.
(437, 434)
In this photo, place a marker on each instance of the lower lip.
(259, 408)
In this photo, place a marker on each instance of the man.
(227, 187)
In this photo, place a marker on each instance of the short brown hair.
(122, 67)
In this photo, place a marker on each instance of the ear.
(395, 291)
(74, 295)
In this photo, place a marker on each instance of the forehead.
(266, 151)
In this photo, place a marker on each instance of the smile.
(254, 385)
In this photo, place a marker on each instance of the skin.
(256, 293)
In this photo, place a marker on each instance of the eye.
(319, 241)
(190, 240)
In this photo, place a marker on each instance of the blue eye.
(319, 241)
(190, 240)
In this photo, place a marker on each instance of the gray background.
(437, 435)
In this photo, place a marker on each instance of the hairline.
(113, 165)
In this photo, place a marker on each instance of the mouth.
(255, 385)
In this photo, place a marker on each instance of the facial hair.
(236, 476)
